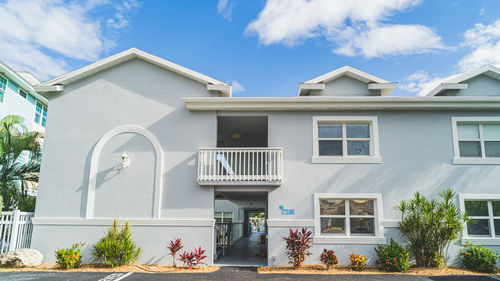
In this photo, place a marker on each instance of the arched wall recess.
(94, 166)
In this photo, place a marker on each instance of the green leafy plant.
(175, 247)
(477, 258)
(298, 244)
(70, 257)
(14, 140)
(430, 226)
(393, 257)
(27, 203)
(358, 262)
(116, 248)
(193, 258)
(328, 258)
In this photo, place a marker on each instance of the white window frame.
(472, 160)
(6, 87)
(374, 156)
(222, 216)
(377, 238)
(492, 240)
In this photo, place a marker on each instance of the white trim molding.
(493, 239)
(377, 238)
(94, 166)
(374, 150)
(134, 222)
(480, 120)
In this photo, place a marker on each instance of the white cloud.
(355, 26)
(237, 87)
(484, 42)
(421, 82)
(482, 11)
(225, 9)
(40, 34)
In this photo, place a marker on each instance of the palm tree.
(14, 139)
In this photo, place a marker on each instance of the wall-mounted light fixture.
(125, 160)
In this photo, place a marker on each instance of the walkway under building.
(245, 252)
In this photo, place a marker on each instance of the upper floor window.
(476, 140)
(223, 217)
(22, 93)
(3, 85)
(345, 139)
(40, 114)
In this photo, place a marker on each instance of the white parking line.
(116, 276)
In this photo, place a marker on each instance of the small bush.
(393, 257)
(358, 262)
(477, 258)
(297, 246)
(194, 258)
(175, 247)
(328, 258)
(70, 257)
(117, 247)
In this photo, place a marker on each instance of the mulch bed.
(126, 268)
(340, 269)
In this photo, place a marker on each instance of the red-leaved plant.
(328, 258)
(193, 258)
(297, 246)
(175, 247)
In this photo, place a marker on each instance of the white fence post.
(15, 230)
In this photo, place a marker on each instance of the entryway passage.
(240, 233)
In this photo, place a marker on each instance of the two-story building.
(137, 137)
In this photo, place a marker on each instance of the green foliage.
(297, 246)
(1, 203)
(430, 226)
(70, 257)
(393, 257)
(116, 248)
(328, 258)
(14, 139)
(477, 258)
(358, 262)
(27, 203)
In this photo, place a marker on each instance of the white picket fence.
(15, 230)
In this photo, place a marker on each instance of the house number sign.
(286, 211)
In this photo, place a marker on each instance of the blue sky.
(265, 46)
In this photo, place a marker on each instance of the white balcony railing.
(240, 166)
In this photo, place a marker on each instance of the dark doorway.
(242, 131)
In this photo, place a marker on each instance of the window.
(340, 216)
(223, 217)
(40, 114)
(484, 212)
(476, 140)
(345, 140)
(3, 85)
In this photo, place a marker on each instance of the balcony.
(240, 166)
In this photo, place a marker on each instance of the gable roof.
(134, 53)
(457, 82)
(374, 82)
(21, 81)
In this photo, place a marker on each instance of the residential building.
(139, 138)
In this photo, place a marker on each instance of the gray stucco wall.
(136, 93)
(345, 86)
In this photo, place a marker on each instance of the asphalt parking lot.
(225, 273)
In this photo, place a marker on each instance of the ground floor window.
(484, 213)
(350, 215)
(223, 217)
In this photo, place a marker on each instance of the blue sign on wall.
(287, 211)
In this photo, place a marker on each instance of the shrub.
(328, 258)
(193, 258)
(430, 226)
(297, 246)
(393, 257)
(175, 247)
(116, 248)
(70, 257)
(477, 258)
(358, 262)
